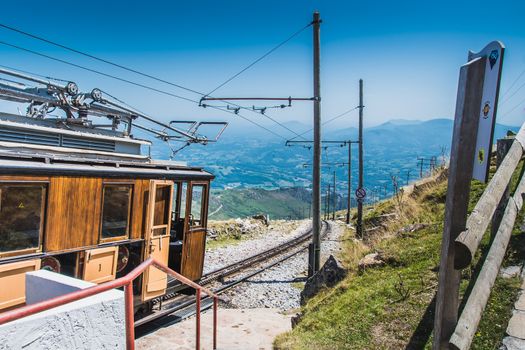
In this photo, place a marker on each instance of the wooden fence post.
(468, 107)
(503, 147)
(477, 300)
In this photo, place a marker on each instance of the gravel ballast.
(278, 287)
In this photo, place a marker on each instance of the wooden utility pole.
(315, 252)
(349, 199)
(360, 186)
(462, 152)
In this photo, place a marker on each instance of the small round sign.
(360, 193)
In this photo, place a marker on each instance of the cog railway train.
(86, 200)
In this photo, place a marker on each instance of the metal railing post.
(215, 307)
(130, 322)
(198, 319)
(127, 283)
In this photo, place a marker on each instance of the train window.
(21, 216)
(116, 208)
(175, 206)
(197, 202)
(184, 194)
(162, 207)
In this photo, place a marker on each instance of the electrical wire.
(96, 58)
(259, 59)
(514, 83)
(514, 93)
(515, 107)
(328, 121)
(145, 74)
(134, 83)
(96, 71)
(35, 74)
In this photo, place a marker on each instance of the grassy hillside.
(288, 203)
(391, 307)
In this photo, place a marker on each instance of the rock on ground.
(328, 276)
(371, 260)
(280, 286)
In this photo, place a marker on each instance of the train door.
(195, 230)
(157, 240)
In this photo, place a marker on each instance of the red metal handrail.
(127, 283)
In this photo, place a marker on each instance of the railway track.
(176, 309)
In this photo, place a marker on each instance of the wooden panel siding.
(15, 178)
(138, 209)
(73, 212)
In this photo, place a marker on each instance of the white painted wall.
(97, 322)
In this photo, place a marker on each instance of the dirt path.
(238, 329)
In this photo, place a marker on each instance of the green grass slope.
(392, 307)
(288, 203)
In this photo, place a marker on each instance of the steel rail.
(233, 269)
(254, 259)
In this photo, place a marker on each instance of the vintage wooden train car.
(86, 202)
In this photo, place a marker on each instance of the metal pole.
(328, 201)
(360, 201)
(316, 186)
(334, 200)
(324, 210)
(349, 203)
(198, 319)
(215, 307)
(130, 322)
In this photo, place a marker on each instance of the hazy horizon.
(408, 54)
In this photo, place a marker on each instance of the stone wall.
(97, 322)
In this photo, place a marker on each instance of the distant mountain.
(403, 122)
(247, 159)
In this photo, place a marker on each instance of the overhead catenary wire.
(259, 59)
(513, 94)
(35, 74)
(326, 122)
(521, 103)
(51, 42)
(167, 93)
(513, 83)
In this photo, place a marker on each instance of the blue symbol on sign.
(493, 58)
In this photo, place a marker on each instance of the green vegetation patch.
(392, 307)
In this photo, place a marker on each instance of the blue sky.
(407, 52)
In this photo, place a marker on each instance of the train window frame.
(43, 210)
(131, 186)
(176, 202)
(203, 208)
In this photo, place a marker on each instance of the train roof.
(32, 146)
(150, 170)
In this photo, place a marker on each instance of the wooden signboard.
(487, 119)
